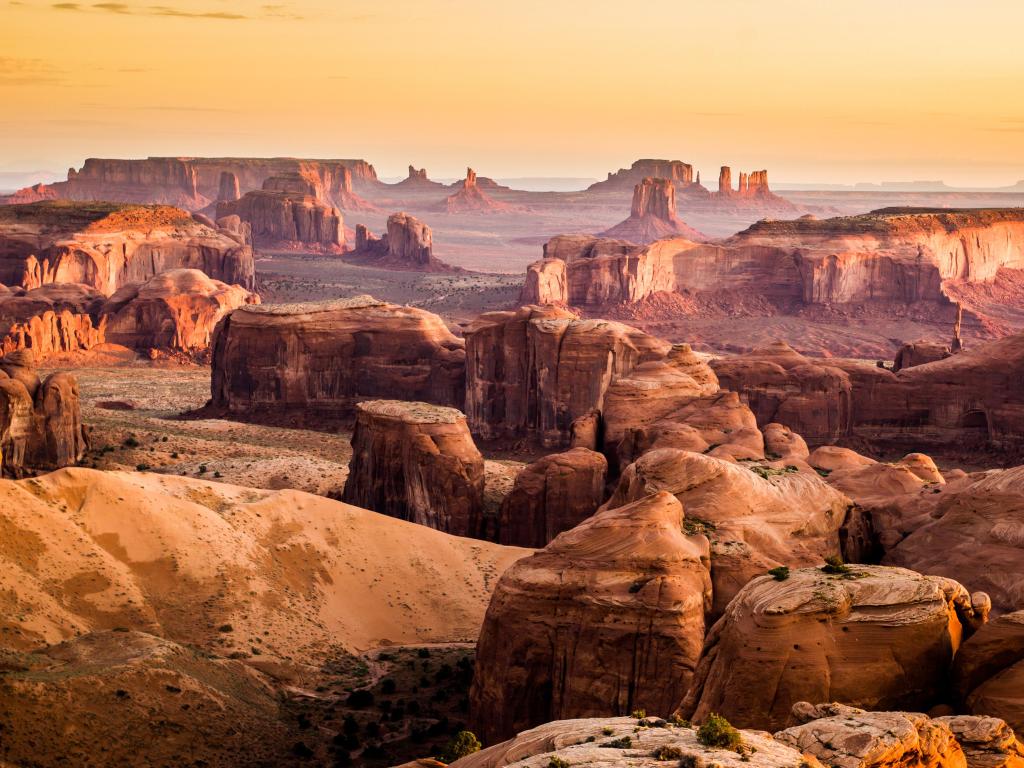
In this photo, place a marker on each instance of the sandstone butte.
(815, 636)
(178, 309)
(675, 171)
(652, 215)
(107, 245)
(40, 419)
(408, 244)
(192, 183)
(316, 360)
(470, 198)
(889, 256)
(418, 180)
(289, 212)
(417, 462)
(606, 619)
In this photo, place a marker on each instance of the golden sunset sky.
(814, 90)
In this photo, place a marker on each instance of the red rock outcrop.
(606, 619)
(552, 495)
(107, 245)
(532, 372)
(343, 195)
(675, 171)
(988, 674)
(890, 256)
(470, 198)
(408, 244)
(781, 385)
(652, 215)
(751, 185)
(884, 639)
(228, 190)
(417, 462)
(319, 359)
(757, 516)
(417, 179)
(51, 319)
(177, 309)
(40, 420)
(545, 283)
(290, 213)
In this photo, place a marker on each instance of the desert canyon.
(307, 464)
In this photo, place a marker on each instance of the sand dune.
(279, 574)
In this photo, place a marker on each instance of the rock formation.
(949, 524)
(106, 245)
(417, 462)
(647, 743)
(883, 258)
(781, 385)
(545, 283)
(652, 215)
(177, 309)
(919, 353)
(757, 516)
(552, 495)
(606, 619)
(988, 675)
(40, 420)
(417, 180)
(874, 637)
(470, 198)
(317, 360)
(675, 171)
(751, 185)
(532, 372)
(408, 244)
(289, 213)
(51, 319)
(228, 189)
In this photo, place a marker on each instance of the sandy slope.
(278, 574)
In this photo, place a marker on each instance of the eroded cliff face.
(289, 213)
(50, 320)
(105, 245)
(322, 358)
(408, 244)
(417, 462)
(606, 619)
(532, 372)
(887, 256)
(625, 178)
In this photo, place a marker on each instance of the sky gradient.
(813, 90)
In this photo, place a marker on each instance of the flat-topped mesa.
(178, 309)
(40, 420)
(319, 359)
(51, 319)
(408, 244)
(652, 215)
(228, 191)
(343, 195)
(608, 618)
(289, 213)
(811, 637)
(889, 256)
(417, 462)
(107, 245)
(531, 372)
(469, 197)
(674, 171)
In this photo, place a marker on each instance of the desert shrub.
(780, 573)
(639, 714)
(360, 699)
(834, 565)
(716, 731)
(557, 762)
(387, 686)
(131, 442)
(665, 752)
(624, 743)
(464, 743)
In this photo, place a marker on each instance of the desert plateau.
(571, 385)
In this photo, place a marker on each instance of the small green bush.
(665, 752)
(716, 731)
(464, 743)
(557, 762)
(639, 714)
(624, 743)
(781, 573)
(834, 565)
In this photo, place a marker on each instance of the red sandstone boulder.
(318, 360)
(607, 618)
(417, 462)
(919, 353)
(989, 670)
(653, 215)
(552, 495)
(178, 309)
(883, 638)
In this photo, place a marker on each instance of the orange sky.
(814, 90)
